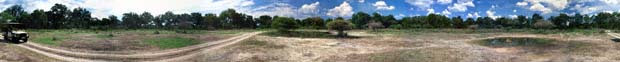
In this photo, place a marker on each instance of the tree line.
(61, 17)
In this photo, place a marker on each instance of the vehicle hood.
(19, 32)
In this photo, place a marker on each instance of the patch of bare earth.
(124, 43)
(423, 47)
(11, 53)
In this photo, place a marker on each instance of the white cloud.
(361, 1)
(310, 8)
(276, 9)
(513, 16)
(430, 11)
(446, 12)
(522, 4)
(473, 15)
(343, 10)
(420, 3)
(514, 10)
(491, 14)
(540, 7)
(381, 5)
(444, 1)
(461, 6)
(612, 2)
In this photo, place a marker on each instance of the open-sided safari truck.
(11, 33)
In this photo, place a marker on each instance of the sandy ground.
(424, 47)
(421, 47)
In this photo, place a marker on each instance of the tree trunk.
(341, 33)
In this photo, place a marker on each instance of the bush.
(284, 24)
(340, 26)
(540, 24)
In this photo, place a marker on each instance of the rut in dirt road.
(145, 56)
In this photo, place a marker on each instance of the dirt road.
(157, 56)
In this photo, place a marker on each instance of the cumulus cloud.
(420, 3)
(430, 11)
(309, 8)
(446, 12)
(491, 14)
(461, 6)
(473, 15)
(361, 1)
(444, 1)
(381, 5)
(513, 16)
(551, 5)
(540, 7)
(613, 2)
(343, 10)
(522, 4)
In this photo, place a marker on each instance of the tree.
(39, 19)
(561, 21)
(458, 22)
(314, 23)
(166, 20)
(79, 18)
(360, 19)
(196, 19)
(439, 21)
(534, 19)
(58, 15)
(15, 13)
(523, 22)
(340, 26)
(469, 22)
(130, 20)
(603, 20)
(145, 19)
(231, 18)
(212, 21)
(388, 20)
(264, 21)
(284, 24)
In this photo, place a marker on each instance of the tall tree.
(211, 21)
(314, 23)
(131, 20)
(284, 24)
(231, 18)
(561, 21)
(79, 18)
(264, 21)
(360, 19)
(523, 22)
(39, 19)
(196, 19)
(458, 22)
(469, 21)
(145, 19)
(58, 15)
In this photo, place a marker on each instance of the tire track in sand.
(165, 55)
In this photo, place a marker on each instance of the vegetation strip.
(145, 55)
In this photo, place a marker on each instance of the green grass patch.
(47, 40)
(171, 42)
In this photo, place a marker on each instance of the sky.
(333, 8)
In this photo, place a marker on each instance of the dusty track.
(165, 55)
(615, 35)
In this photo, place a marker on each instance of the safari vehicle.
(12, 34)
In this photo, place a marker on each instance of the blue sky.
(334, 8)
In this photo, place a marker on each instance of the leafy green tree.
(284, 24)
(458, 22)
(522, 21)
(231, 18)
(264, 21)
(130, 20)
(534, 19)
(58, 15)
(314, 23)
(145, 19)
(470, 21)
(360, 19)
(340, 26)
(79, 18)
(439, 21)
(212, 21)
(603, 20)
(388, 20)
(561, 21)
(39, 19)
(196, 18)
